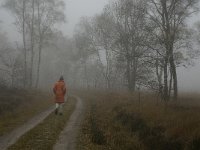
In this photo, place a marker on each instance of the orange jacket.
(59, 91)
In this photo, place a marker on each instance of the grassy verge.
(119, 121)
(16, 107)
(44, 136)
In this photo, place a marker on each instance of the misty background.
(74, 10)
(188, 78)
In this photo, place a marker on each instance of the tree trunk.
(108, 66)
(128, 74)
(165, 92)
(32, 42)
(174, 75)
(170, 82)
(24, 44)
(86, 75)
(12, 77)
(38, 67)
(108, 84)
(134, 71)
(40, 45)
(133, 80)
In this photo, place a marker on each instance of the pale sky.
(75, 9)
(189, 79)
(78, 8)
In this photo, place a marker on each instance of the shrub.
(194, 144)
(97, 134)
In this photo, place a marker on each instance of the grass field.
(17, 106)
(120, 121)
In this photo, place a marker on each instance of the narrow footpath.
(9, 139)
(67, 139)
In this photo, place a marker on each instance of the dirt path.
(67, 139)
(11, 138)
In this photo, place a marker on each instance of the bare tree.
(130, 19)
(19, 10)
(170, 17)
(84, 44)
(104, 34)
(49, 13)
(8, 56)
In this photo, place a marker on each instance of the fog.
(122, 74)
(188, 78)
(75, 9)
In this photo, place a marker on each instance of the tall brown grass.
(125, 123)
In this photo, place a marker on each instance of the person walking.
(59, 90)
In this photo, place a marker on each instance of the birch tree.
(170, 19)
(104, 34)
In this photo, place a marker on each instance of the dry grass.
(16, 107)
(118, 121)
(45, 135)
